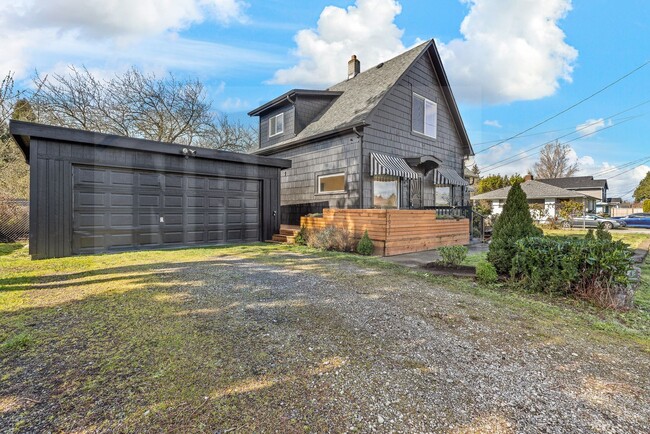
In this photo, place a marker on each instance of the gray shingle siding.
(390, 130)
(309, 108)
(338, 154)
(289, 126)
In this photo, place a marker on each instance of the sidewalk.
(419, 259)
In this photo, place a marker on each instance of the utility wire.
(515, 158)
(561, 129)
(570, 107)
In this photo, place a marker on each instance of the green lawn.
(136, 337)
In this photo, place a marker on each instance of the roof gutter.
(284, 146)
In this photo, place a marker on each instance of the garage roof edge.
(22, 132)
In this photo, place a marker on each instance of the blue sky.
(512, 63)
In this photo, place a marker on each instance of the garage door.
(116, 209)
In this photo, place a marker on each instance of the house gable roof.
(359, 96)
(533, 190)
(576, 182)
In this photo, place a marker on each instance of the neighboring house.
(389, 137)
(594, 189)
(547, 198)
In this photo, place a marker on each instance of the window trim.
(279, 115)
(330, 175)
(398, 192)
(435, 104)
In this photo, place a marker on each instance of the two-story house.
(388, 137)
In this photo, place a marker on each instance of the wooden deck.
(394, 232)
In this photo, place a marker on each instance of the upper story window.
(425, 116)
(276, 125)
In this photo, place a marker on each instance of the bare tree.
(14, 172)
(136, 104)
(554, 161)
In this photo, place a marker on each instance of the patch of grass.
(7, 248)
(474, 258)
(17, 342)
(633, 239)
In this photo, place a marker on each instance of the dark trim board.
(135, 190)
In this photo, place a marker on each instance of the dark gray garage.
(93, 192)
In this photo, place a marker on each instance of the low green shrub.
(301, 237)
(365, 246)
(486, 273)
(594, 269)
(602, 234)
(646, 205)
(452, 255)
(330, 238)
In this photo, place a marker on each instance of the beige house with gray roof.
(537, 192)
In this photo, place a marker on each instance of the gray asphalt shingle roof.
(575, 182)
(533, 190)
(361, 94)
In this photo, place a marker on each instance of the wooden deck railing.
(394, 232)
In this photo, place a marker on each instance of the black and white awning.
(447, 176)
(387, 165)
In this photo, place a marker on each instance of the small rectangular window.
(424, 116)
(331, 183)
(276, 125)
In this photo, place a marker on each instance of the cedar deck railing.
(394, 232)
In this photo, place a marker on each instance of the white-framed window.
(425, 116)
(385, 193)
(331, 183)
(276, 125)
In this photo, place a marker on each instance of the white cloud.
(591, 126)
(492, 123)
(366, 29)
(234, 105)
(101, 28)
(511, 50)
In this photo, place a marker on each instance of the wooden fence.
(394, 232)
(620, 212)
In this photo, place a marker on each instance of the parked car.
(637, 220)
(592, 221)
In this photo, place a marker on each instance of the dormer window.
(425, 116)
(276, 125)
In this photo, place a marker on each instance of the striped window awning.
(447, 176)
(387, 165)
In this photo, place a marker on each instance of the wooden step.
(290, 232)
(288, 239)
(290, 227)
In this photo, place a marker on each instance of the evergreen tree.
(513, 224)
(643, 190)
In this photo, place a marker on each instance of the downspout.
(360, 136)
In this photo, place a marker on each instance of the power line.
(561, 129)
(514, 158)
(570, 107)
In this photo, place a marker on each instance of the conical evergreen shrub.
(513, 224)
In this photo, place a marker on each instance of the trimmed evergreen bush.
(514, 223)
(452, 256)
(486, 273)
(593, 269)
(365, 246)
(646, 205)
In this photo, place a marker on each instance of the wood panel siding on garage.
(394, 232)
(92, 192)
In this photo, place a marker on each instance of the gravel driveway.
(370, 351)
(288, 342)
